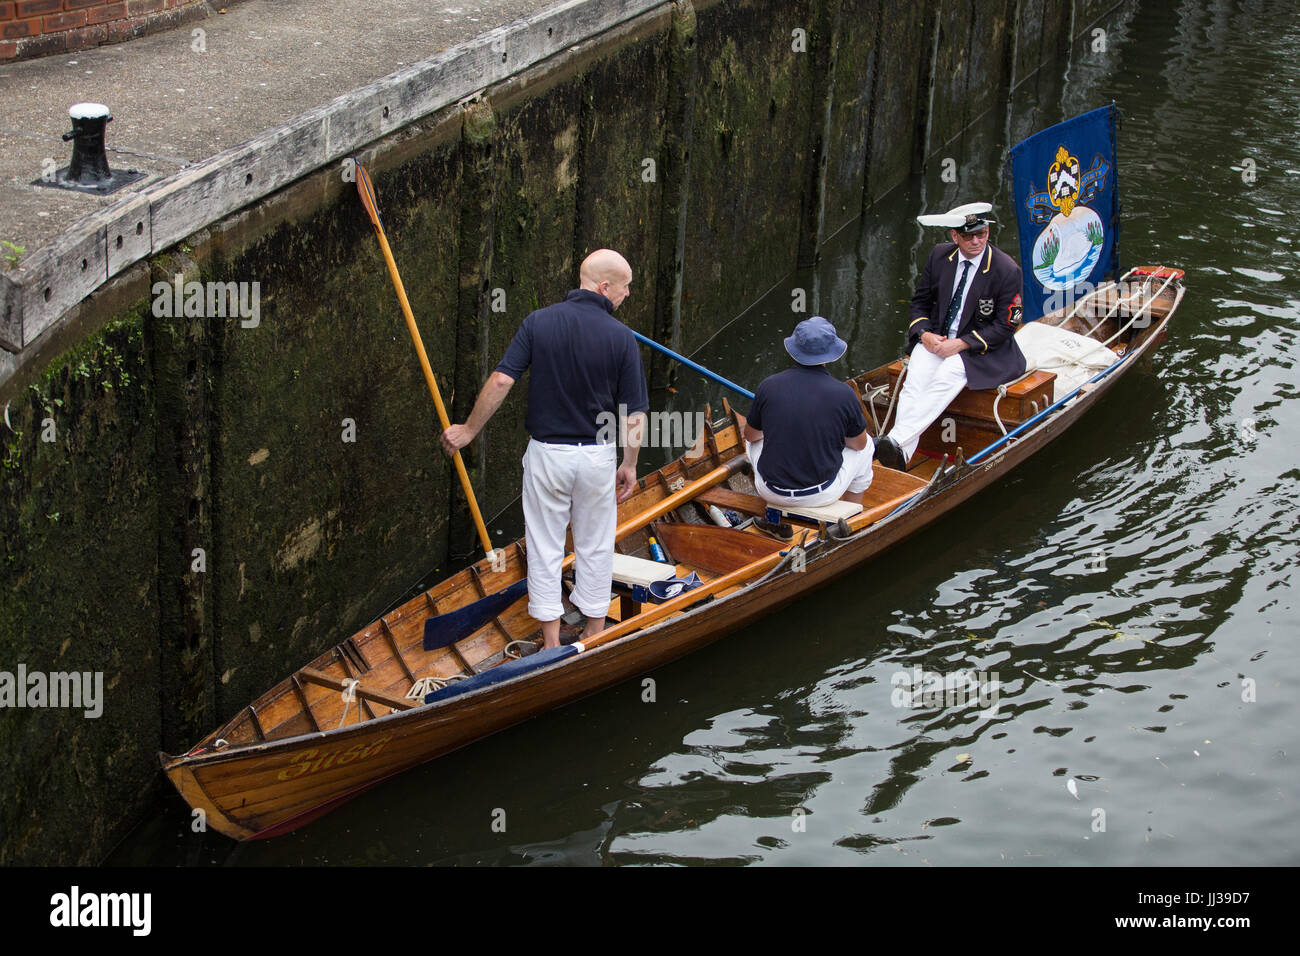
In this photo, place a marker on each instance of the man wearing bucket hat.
(964, 316)
(806, 435)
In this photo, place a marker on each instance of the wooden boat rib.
(356, 714)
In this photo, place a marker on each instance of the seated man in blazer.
(964, 315)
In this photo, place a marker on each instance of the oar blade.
(367, 193)
(455, 625)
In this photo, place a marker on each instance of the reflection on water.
(1131, 587)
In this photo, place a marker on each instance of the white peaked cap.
(959, 217)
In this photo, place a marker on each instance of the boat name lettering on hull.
(312, 761)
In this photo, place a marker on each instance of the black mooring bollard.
(88, 172)
(89, 166)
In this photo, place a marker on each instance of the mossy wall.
(221, 503)
(78, 557)
(748, 159)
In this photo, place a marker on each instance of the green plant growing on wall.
(13, 453)
(12, 252)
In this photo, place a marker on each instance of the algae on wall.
(78, 548)
(329, 489)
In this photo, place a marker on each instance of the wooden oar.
(367, 193)
(454, 625)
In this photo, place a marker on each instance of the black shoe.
(889, 454)
(782, 531)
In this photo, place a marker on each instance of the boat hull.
(268, 788)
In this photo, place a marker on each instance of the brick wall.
(34, 28)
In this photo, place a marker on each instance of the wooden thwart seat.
(362, 691)
(725, 498)
(1024, 399)
(640, 572)
(829, 513)
(888, 489)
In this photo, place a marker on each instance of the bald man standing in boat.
(586, 367)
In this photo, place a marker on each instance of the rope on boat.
(1119, 300)
(515, 655)
(796, 552)
(1145, 307)
(898, 388)
(871, 396)
(1123, 301)
(427, 685)
(1002, 392)
(349, 694)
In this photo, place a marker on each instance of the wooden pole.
(367, 193)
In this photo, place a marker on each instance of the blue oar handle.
(689, 364)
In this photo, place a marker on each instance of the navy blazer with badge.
(989, 319)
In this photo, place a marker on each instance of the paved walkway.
(263, 62)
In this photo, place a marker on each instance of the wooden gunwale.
(426, 732)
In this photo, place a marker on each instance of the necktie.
(955, 305)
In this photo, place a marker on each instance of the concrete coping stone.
(52, 280)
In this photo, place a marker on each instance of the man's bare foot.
(550, 634)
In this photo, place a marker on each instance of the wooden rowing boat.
(357, 714)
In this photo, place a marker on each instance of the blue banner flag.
(1067, 210)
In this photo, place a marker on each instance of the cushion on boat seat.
(640, 571)
(503, 671)
(1073, 357)
(829, 513)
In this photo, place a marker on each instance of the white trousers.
(854, 475)
(569, 485)
(931, 383)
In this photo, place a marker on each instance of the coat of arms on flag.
(1067, 228)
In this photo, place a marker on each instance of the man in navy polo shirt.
(806, 435)
(585, 367)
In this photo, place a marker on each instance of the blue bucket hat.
(815, 343)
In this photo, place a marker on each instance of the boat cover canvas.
(1073, 357)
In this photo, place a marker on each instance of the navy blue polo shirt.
(584, 362)
(804, 414)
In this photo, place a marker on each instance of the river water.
(1131, 588)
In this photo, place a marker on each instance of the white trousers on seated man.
(930, 385)
(854, 476)
(569, 485)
